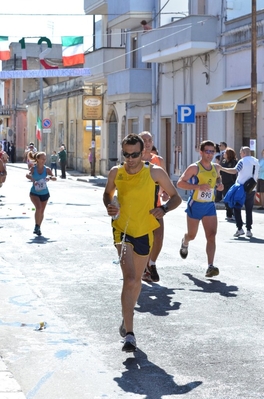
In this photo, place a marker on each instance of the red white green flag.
(4, 48)
(38, 129)
(72, 50)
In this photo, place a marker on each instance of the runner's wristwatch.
(164, 208)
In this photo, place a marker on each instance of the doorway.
(112, 140)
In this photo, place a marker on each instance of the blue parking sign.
(186, 113)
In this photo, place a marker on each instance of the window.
(133, 126)
(134, 52)
(200, 129)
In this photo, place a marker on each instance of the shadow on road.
(156, 300)
(142, 375)
(213, 286)
(249, 240)
(40, 240)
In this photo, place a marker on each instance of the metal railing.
(5, 110)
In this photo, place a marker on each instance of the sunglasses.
(209, 151)
(133, 155)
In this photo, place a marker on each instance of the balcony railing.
(104, 61)
(5, 110)
(127, 14)
(193, 35)
(129, 85)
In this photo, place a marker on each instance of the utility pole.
(253, 72)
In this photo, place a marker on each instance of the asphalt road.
(197, 337)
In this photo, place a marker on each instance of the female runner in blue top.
(39, 174)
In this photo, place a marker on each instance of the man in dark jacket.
(63, 161)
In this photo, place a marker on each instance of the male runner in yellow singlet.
(202, 178)
(135, 182)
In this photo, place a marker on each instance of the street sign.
(186, 113)
(46, 123)
(46, 131)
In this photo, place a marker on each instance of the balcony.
(5, 110)
(190, 36)
(95, 7)
(129, 85)
(104, 61)
(128, 14)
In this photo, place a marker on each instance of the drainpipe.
(154, 83)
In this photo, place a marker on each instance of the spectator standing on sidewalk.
(90, 159)
(53, 162)
(246, 168)
(135, 182)
(63, 161)
(229, 161)
(222, 147)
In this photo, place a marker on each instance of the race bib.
(40, 185)
(205, 196)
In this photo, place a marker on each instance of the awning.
(228, 100)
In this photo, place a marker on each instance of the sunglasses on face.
(209, 151)
(132, 155)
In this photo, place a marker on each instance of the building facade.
(196, 53)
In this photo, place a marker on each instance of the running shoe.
(184, 251)
(239, 233)
(122, 330)
(212, 271)
(129, 343)
(37, 230)
(249, 234)
(153, 273)
(146, 276)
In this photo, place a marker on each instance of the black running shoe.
(129, 343)
(153, 273)
(37, 230)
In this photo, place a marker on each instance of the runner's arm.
(183, 181)
(109, 192)
(161, 177)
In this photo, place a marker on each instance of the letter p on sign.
(186, 113)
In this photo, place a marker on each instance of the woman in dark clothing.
(229, 161)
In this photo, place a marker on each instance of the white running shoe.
(249, 234)
(239, 233)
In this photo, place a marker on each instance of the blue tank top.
(39, 186)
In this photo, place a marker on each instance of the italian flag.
(38, 129)
(4, 48)
(72, 50)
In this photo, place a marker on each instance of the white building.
(195, 52)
